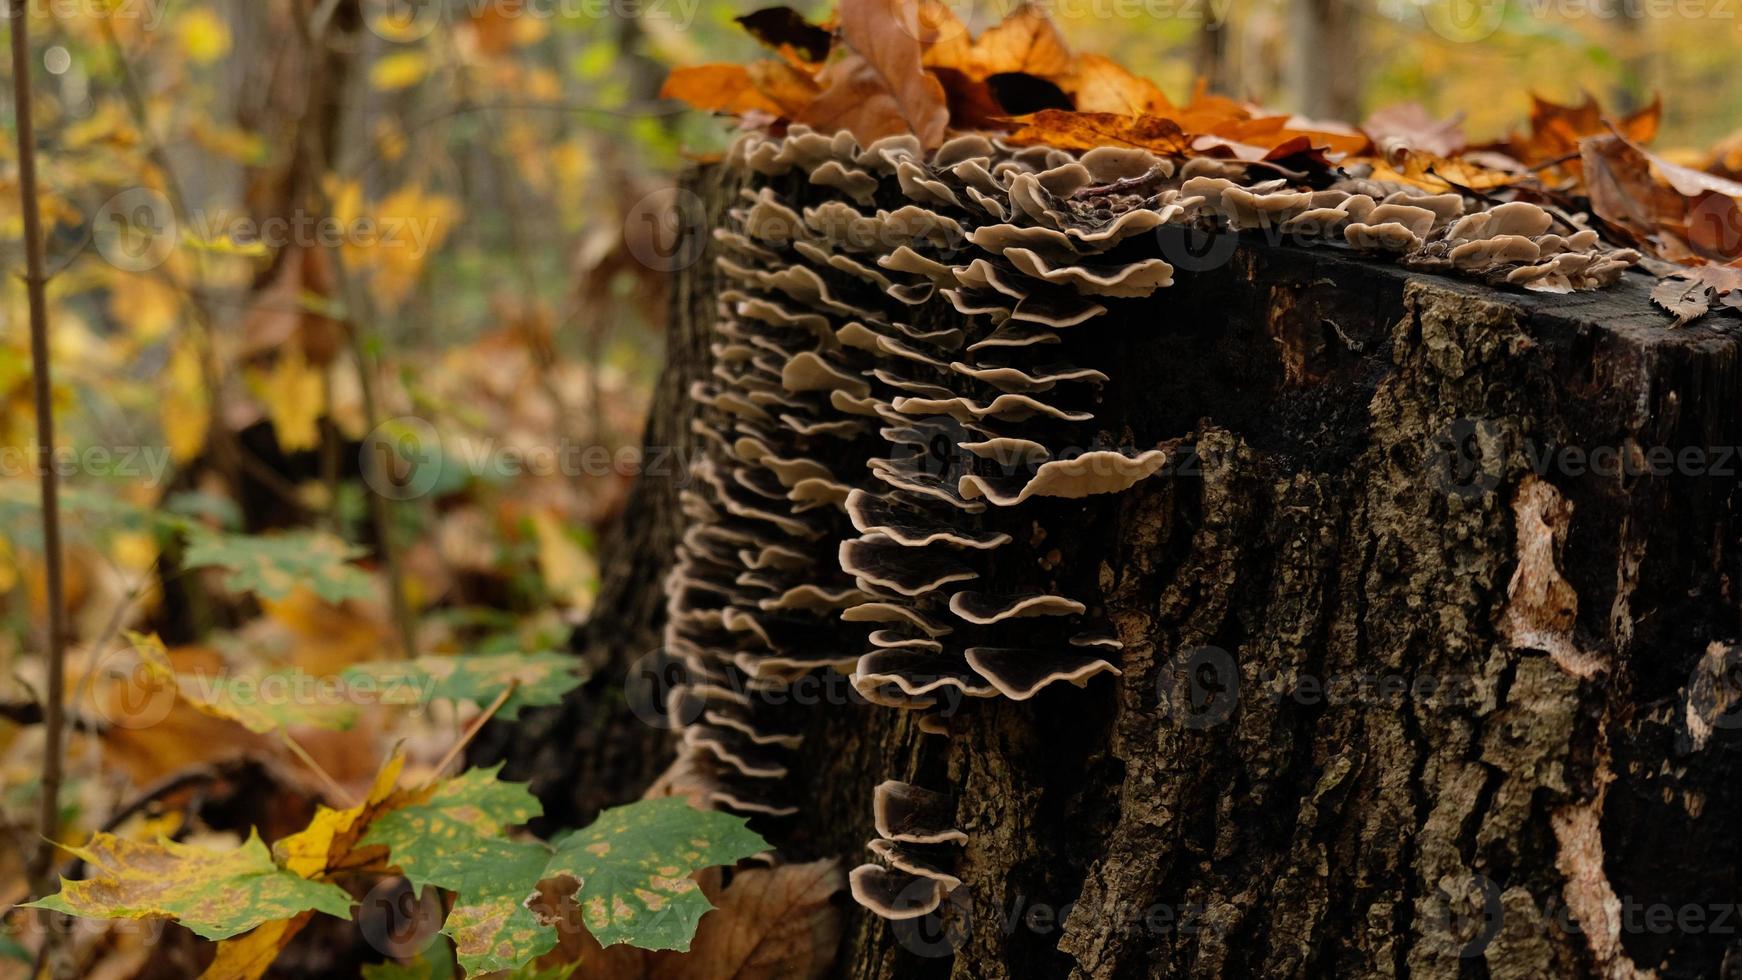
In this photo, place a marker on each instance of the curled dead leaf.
(1691, 293)
(717, 88)
(1087, 130)
(886, 35)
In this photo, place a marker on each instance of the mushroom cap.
(1137, 279)
(914, 526)
(914, 815)
(1021, 674)
(985, 609)
(894, 895)
(1100, 471)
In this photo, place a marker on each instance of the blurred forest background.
(286, 233)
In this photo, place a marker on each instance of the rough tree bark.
(1415, 682)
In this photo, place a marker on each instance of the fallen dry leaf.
(717, 88)
(1087, 130)
(886, 35)
(1442, 174)
(1027, 42)
(1672, 210)
(1556, 130)
(1102, 85)
(856, 99)
(790, 88)
(786, 30)
(1409, 126)
(775, 924)
(1689, 294)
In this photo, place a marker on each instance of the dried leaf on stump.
(1409, 126)
(1027, 42)
(1674, 211)
(1690, 293)
(1087, 130)
(886, 33)
(1102, 85)
(786, 30)
(855, 99)
(717, 88)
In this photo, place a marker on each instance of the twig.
(339, 792)
(34, 280)
(54, 700)
(471, 733)
(313, 153)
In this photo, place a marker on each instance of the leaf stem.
(471, 733)
(42, 384)
(339, 792)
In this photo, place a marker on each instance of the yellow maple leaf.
(144, 302)
(203, 36)
(329, 841)
(184, 410)
(400, 70)
(295, 398)
(249, 956)
(568, 570)
(414, 224)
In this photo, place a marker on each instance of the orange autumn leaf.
(943, 37)
(1103, 85)
(1555, 129)
(790, 88)
(855, 99)
(1087, 130)
(1027, 42)
(1409, 126)
(1675, 211)
(717, 88)
(786, 31)
(1440, 174)
(885, 34)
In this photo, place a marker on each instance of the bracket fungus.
(903, 383)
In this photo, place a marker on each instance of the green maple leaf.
(217, 894)
(536, 678)
(634, 864)
(632, 867)
(490, 924)
(271, 566)
(439, 840)
(454, 840)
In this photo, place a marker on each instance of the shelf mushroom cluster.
(896, 389)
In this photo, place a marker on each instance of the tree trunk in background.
(1323, 77)
(1414, 682)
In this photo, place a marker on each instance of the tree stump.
(1431, 649)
